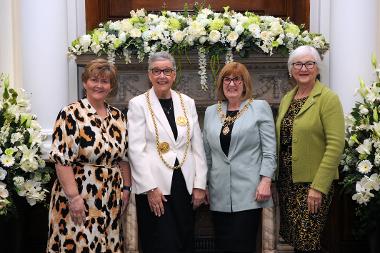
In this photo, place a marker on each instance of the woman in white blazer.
(240, 144)
(167, 160)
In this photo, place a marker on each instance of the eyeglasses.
(237, 80)
(157, 72)
(308, 65)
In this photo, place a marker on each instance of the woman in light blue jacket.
(240, 144)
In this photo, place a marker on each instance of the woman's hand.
(77, 210)
(263, 191)
(155, 198)
(314, 200)
(198, 197)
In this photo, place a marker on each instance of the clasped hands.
(156, 199)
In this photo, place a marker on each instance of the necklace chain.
(158, 138)
(228, 119)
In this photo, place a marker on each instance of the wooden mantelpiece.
(270, 82)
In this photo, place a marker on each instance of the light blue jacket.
(232, 180)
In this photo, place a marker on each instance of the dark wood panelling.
(98, 11)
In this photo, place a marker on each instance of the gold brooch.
(181, 121)
(163, 147)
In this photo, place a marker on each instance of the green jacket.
(318, 137)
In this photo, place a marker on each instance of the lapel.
(160, 115)
(220, 126)
(286, 103)
(181, 130)
(316, 91)
(236, 129)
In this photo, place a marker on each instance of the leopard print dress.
(298, 227)
(92, 146)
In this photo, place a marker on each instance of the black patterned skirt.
(298, 227)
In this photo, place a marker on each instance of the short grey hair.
(161, 56)
(302, 51)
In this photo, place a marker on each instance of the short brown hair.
(101, 68)
(238, 69)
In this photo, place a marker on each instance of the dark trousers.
(173, 232)
(237, 231)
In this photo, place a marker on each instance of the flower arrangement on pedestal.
(22, 170)
(361, 158)
(211, 33)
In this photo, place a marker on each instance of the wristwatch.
(127, 188)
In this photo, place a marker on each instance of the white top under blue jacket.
(232, 180)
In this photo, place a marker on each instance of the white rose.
(232, 36)
(178, 36)
(126, 25)
(85, 41)
(255, 30)
(239, 29)
(214, 36)
(202, 39)
(135, 33)
(265, 35)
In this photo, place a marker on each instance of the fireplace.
(270, 82)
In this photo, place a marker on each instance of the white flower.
(202, 67)
(376, 128)
(18, 181)
(363, 110)
(214, 36)
(255, 30)
(365, 148)
(7, 160)
(125, 26)
(178, 36)
(85, 41)
(365, 166)
(265, 35)
(232, 37)
(229, 56)
(3, 174)
(135, 33)
(362, 197)
(239, 29)
(3, 191)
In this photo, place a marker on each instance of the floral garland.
(22, 170)
(361, 158)
(217, 32)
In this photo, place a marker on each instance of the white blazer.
(148, 171)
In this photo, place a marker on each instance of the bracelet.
(127, 188)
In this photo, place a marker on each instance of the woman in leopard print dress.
(310, 139)
(89, 149)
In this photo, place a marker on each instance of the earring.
(290, 75)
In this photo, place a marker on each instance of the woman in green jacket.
(310, 141)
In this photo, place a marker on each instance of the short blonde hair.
(238, 69)
(101, 68)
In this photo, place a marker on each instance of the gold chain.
(229, 120)
(158, 138)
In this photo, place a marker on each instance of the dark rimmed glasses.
(308, 65)
(237, 80)
(157, 72)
